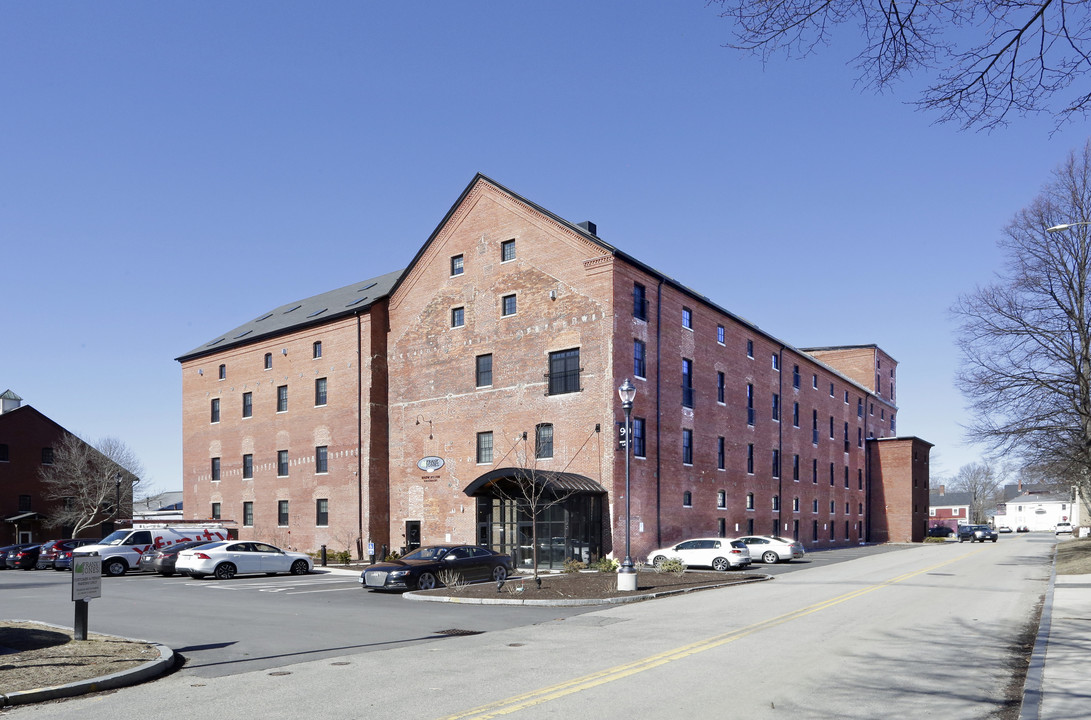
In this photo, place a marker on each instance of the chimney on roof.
(942, 489)
(589, 227)
(9, 401)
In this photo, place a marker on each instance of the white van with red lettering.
(121, 550)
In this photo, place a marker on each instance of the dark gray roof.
(348, 300)
(950, 499)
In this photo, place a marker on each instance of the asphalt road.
(903, 631)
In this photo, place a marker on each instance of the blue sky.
(168, 171)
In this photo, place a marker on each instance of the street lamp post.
(1067, 226)
(626, 576)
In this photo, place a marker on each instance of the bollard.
(323, 556)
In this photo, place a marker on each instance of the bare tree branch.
(89, 485)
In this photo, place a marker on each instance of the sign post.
(86, 585)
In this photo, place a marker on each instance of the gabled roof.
(952, 499)
(316, 310)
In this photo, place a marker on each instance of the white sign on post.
(86, 577)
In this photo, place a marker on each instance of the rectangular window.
(484, 448)
(247, 404)
(507, 250)
(640, 302)
(215, 511)
(458, 317)
(543, 441)
(319, 392)
(223, 372)
(282, 398)
(814, 381)
(687, 383)
(859, 407)
(795, 414)
(639, 448)
(776, 362)
(687, 318)
(687, 446)
(282, 463)
(507, 305)
(321, 459)
(316, 349)
(483, 371)
(814, 427)
(24, 503)
(795, 468)
(814, 471)
(795, 376)
(322, 511)
(831, 390)
(268, 361)
(456, 265)
(282, 513)
(814, 508)
(720, 334)
(247, 467)
(776, 407)
(831, 475)
(564, 371)
(720, 388)
(749, 404)
(720, 454)
(248, 514)
(215, 410)
(776, 463)
(750, 349)
(4, 457)
(639, 359)
(750, 459)
(846, 479)
(47, 456)
(215, 469)
(831, 427)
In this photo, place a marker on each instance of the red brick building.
(495, 358)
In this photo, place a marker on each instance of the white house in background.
(164, 506)
(1039, 511)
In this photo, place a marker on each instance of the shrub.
(606, 565)
(453, 580)
(671, 565)
(392, 555)
(574, 566)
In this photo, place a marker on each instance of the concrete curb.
(123, 678)
(1032, 685)
(415, 595)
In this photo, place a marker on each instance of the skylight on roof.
(244, 333)
(215, 342)
(266, 316)
(367, 287)
(357, 301)
(318, 312)
(293, 309)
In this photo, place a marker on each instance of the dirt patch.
(591, 585)
(1074, 557)
(34, 656)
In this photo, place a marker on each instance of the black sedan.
(25, 558)
(429, 567)
(162, 560)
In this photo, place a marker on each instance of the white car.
(716, 553)
(226, 559)
(773, 549)
(1063, 527)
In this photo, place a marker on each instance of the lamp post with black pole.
(626, 575)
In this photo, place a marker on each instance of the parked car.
(25, 558)
(1063, 527)
(225, 559)
(976, 533)
(163, 560)
(940, 531)
(1003, 529)
(716, 553)
(1022, 528)
(9, 550)
(63, 560)
(773, 549)
(425, 568)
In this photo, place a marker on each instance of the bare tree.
(984, 486)
(90, 485)
(986, 59)
(1026, 338)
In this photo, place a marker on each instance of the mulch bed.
(591, 585)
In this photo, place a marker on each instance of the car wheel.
(299, 567)
(499, 573)
(225, 571)
(115, 567)
(994, 540)
(658, 561)
(769, 557)
(196, 576)
(426, 581)
(166, 573)
(720, 564)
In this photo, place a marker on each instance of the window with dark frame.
(776, 407)
(248, 514)
(687, 499)
(282, 398)
(316, 349)
(268, 361)
(749, 501)
(750, 405)
(687, 383)
(47, 456)
(795, 414)
(687, 318)
(721, 500)
(457, 267)
(795, 377)
(750, 459)
(458, 317)
(750, 349)
(720, 459)
(484, 448)
(215, 410)
(282, 463)
(638, 438)
(321, 459)
(4, 453)
(319, 392)
(795, 468)
(507, 305)
(247, 404)
(282, 513)
(483, 370)
(247, 467)
(639, 358)
(640, 302)
(720, 334)
(215, 511)
(564, 371)
(322, 512)
(215, 469)
(543, 441)
(223, 372)
(687, 446)
(507, 250)
(720, 389)
(776, 463)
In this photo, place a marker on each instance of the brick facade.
(506, 283)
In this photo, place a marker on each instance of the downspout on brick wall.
(658, 399)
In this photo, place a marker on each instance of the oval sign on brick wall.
(430, 463)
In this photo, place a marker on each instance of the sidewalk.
(1058, 685)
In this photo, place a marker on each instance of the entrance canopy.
(558, 482)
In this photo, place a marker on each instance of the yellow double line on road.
(542, 695)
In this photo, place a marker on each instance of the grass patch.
(1074, 557)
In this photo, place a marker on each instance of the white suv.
(1063, 527)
